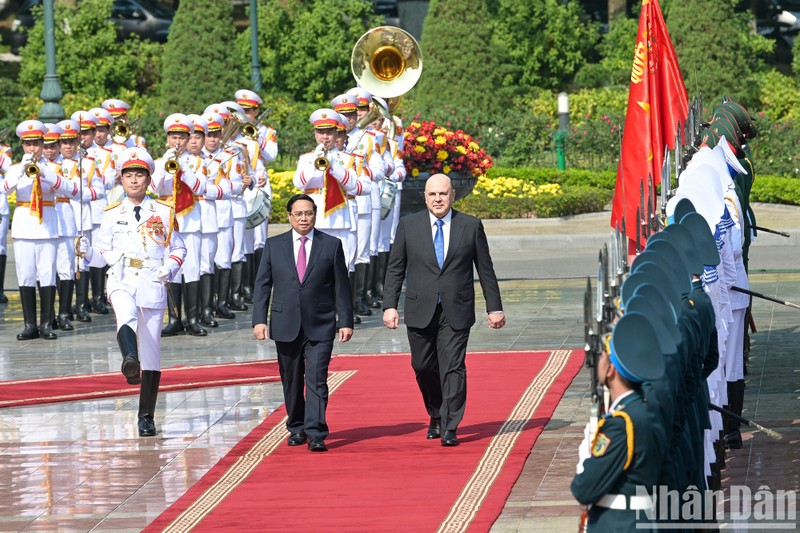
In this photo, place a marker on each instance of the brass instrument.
(32, 171)
(172, 165)
(250, 129)
(387, 62)
(122, 130)
(321, 162)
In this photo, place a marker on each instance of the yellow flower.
(461, 150)
(415, 172)
(446, 169)
(474, 146)
(440, 139)
(415, 124)
(440, 131)
(441, 155)
(422, 139)
(419, 149)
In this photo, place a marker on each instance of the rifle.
(642, 211)
(765, 297)
(767, 230)
(652, 223)
(771, 433)
(666, 184)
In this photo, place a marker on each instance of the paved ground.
(81, 466)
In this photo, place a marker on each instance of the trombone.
(250, 129)
(122, 130)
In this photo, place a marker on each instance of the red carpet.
(90, 386)
(381, 474)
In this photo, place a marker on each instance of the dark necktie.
(438, 243)
(136, 210)
(301, 259)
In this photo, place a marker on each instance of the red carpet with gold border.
(381, 474)
(93, 386)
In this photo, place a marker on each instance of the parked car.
(146, 18)
(779, 20)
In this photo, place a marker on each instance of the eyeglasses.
(301, 214)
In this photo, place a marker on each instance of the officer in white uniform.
(267, 150)
(139, 240)
(35, 228)
(119, 110)
(391, 153)
(175, 173)
(5, 213)
(329, 186)
(224, 164)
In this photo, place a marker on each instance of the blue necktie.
(438, 243)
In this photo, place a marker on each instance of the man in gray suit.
(435, 250)
(304, 273)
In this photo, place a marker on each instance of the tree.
(717, 52)
(89, 59)
(547, 40)
(200, 63)
(305, 47)
(463, 71)
(616, 51)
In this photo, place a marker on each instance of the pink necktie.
(301, 258)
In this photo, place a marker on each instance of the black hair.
(296, 197)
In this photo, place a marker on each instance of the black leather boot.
(372, 278)
(236, 302)
(65, 287)
(191, 297)
(148, 395)
(129, 347)
(383, 260)
(97, 291)
(257, 256)
(361, 307)
(223, 293)
(47, 295)
(206, 311)
(3, 297)
(247, 281)
(351, 277)
(27, 296)
(82, 298)
(174, 326)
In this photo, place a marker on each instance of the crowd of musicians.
(671, 349)
(214, 175)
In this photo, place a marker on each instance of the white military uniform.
(118, 109)
(396, 177)
(5, 212)
(362, 144)
(135, 250)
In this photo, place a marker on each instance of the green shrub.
(574, 201)
(774, 190)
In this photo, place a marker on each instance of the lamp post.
(563, 124)
(255, 62)
(51, 111)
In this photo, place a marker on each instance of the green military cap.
(652, 274)
(682, 240)
(704, 241)
(663, 313)
(723, 127)
(668, 258)
(742, 117)
(640, 304)
(634, 349)
(724, 113)
(708, 137)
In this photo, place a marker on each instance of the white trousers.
(224, 248)
(385, 239)
(3, 234)
(375, 232)
(260, 235)
(734, 347)
(191, 263)
(65, 258)
(363, 235)
(208, 251)
(238, 240)
(145, 322)
(35, 260)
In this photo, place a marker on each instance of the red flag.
(333, 194)
(182, 195)
(656, 103)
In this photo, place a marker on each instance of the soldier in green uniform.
(627, 449)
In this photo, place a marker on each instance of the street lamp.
(255, 62)
(51, 111)
(563, 125)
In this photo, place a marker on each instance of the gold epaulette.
(112, 206)
(164, 202)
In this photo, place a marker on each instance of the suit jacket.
(413, 256)
(321, 304)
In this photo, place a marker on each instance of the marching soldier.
(35, 228)
(175, 181)
(628, 446)
(139, 240)
(5, 213)
(119, 110)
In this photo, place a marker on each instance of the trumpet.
(173, 165)
(321, 162)
(32, 171)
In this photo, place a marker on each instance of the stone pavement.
(81, 465)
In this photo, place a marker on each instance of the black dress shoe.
(434, 429)
(317, 444)
(296, 439)
(147, 427)
(449, 438)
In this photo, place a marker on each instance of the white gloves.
(320, 150)
(163, 274)
(26, 158)
(584, 450)
(337, 170)
(83, 248)
(169, 154)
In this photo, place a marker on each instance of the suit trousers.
(438, 357)
(304, 361)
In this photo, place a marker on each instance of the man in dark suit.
(304, 273)
(435, 250)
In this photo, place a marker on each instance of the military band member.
(322, 175)
(35, 228)
(119, 110)
(267, 137)
(175, 181)
(5, 213)
(395, 173)
(140, 241)
(628, 446)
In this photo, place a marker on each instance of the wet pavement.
(81, 466)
